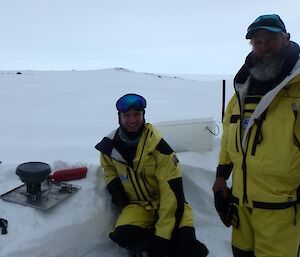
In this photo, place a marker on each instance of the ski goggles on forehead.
(131, 101)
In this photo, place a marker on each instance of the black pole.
(223, 98)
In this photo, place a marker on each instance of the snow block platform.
(194, 135)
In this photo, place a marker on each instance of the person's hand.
(227, 211)
(220, 185)
(120, 199)
(159, 247)
(223, 203)
(118, 195)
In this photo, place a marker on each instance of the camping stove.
(38, 190)
(33, 174)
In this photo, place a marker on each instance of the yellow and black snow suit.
(152, 184)
(260, 148)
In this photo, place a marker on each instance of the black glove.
(226, 210)
(159, 247)
(118, 195)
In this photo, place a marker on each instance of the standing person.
(261, 147)
(142, 174)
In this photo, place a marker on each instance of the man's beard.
(267, 68)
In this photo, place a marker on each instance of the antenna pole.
(223, 97)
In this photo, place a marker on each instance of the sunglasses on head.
(131, 101)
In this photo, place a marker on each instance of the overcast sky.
(160, 36)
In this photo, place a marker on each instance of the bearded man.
(260, 148)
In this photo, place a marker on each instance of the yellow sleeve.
(109, 169)
(224, 158)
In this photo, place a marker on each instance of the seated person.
(143, 176)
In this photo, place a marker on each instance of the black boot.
(186, 244)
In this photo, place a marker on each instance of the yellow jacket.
(154, 180)
(264, 159)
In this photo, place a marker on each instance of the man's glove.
(226, 209)
(159, 247)
(118, 195)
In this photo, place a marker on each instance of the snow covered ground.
(58, 117)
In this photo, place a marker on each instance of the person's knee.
(129, 236)
(241, 253)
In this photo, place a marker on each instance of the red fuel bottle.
(69, 174)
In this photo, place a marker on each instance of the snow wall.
(79, 226)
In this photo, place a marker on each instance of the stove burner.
(33, 174)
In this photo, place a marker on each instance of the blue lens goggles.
(131, 101)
